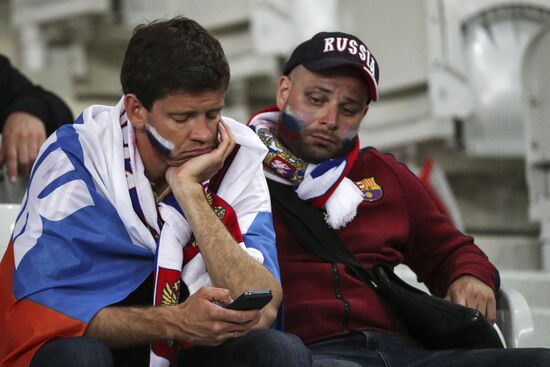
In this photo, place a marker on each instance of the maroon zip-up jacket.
(323, 301)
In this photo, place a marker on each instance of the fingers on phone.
(243, 318)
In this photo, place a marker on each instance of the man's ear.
(283, 90)
(365, 110)
(137, 113)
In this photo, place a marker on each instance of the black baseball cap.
(327, 50)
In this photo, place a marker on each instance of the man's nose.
(330, 117)
(204, 131)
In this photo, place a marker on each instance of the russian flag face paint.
(165, 146)
(348, 142)
(291, 127)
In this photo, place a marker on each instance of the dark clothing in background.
(17, 93)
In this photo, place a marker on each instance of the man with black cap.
(377, 207)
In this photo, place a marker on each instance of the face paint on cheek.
(349, 140)
(290, 127)
(164, 146)
(349, 143)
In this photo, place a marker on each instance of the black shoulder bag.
(433, 321)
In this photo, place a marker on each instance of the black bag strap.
(309, 226)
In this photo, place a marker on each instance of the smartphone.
(251, 300)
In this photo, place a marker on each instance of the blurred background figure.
(28, 114)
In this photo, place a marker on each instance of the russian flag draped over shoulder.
(78, 244)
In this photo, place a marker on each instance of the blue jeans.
(259, 348)
(379, 349)
(81, 351)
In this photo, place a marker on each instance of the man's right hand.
(200, 321)
(471, 292)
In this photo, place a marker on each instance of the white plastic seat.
(514, 319)
(8, 214)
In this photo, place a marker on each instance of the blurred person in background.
(28, 114)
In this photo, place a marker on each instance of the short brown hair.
(172, 55)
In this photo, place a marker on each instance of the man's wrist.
(188, 194)
(188, 189)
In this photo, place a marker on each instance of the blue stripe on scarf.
(322, 168)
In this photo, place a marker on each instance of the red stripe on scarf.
(169, 281)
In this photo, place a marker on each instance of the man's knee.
(259, 348)
(533, 357)
(80, 351)
(278, 348)
(275, 341)
(334, 363)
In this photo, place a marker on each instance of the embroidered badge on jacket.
(370, 189)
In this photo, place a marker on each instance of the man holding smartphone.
(157, 198)
(252, 300)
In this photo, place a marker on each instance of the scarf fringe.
(342, 205)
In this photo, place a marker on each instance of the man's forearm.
(228, 265)
(121, 327)
(198, 320)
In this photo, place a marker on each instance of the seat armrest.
(514, 318)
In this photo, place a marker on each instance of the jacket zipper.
(338, 293)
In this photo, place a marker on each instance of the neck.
(158, 186)
(161, 191)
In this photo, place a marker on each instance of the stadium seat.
(8, 214)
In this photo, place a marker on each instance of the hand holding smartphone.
(251, 300)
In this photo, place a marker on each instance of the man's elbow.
(269, 313)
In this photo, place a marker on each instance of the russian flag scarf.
(178, 257)
(322, 185)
